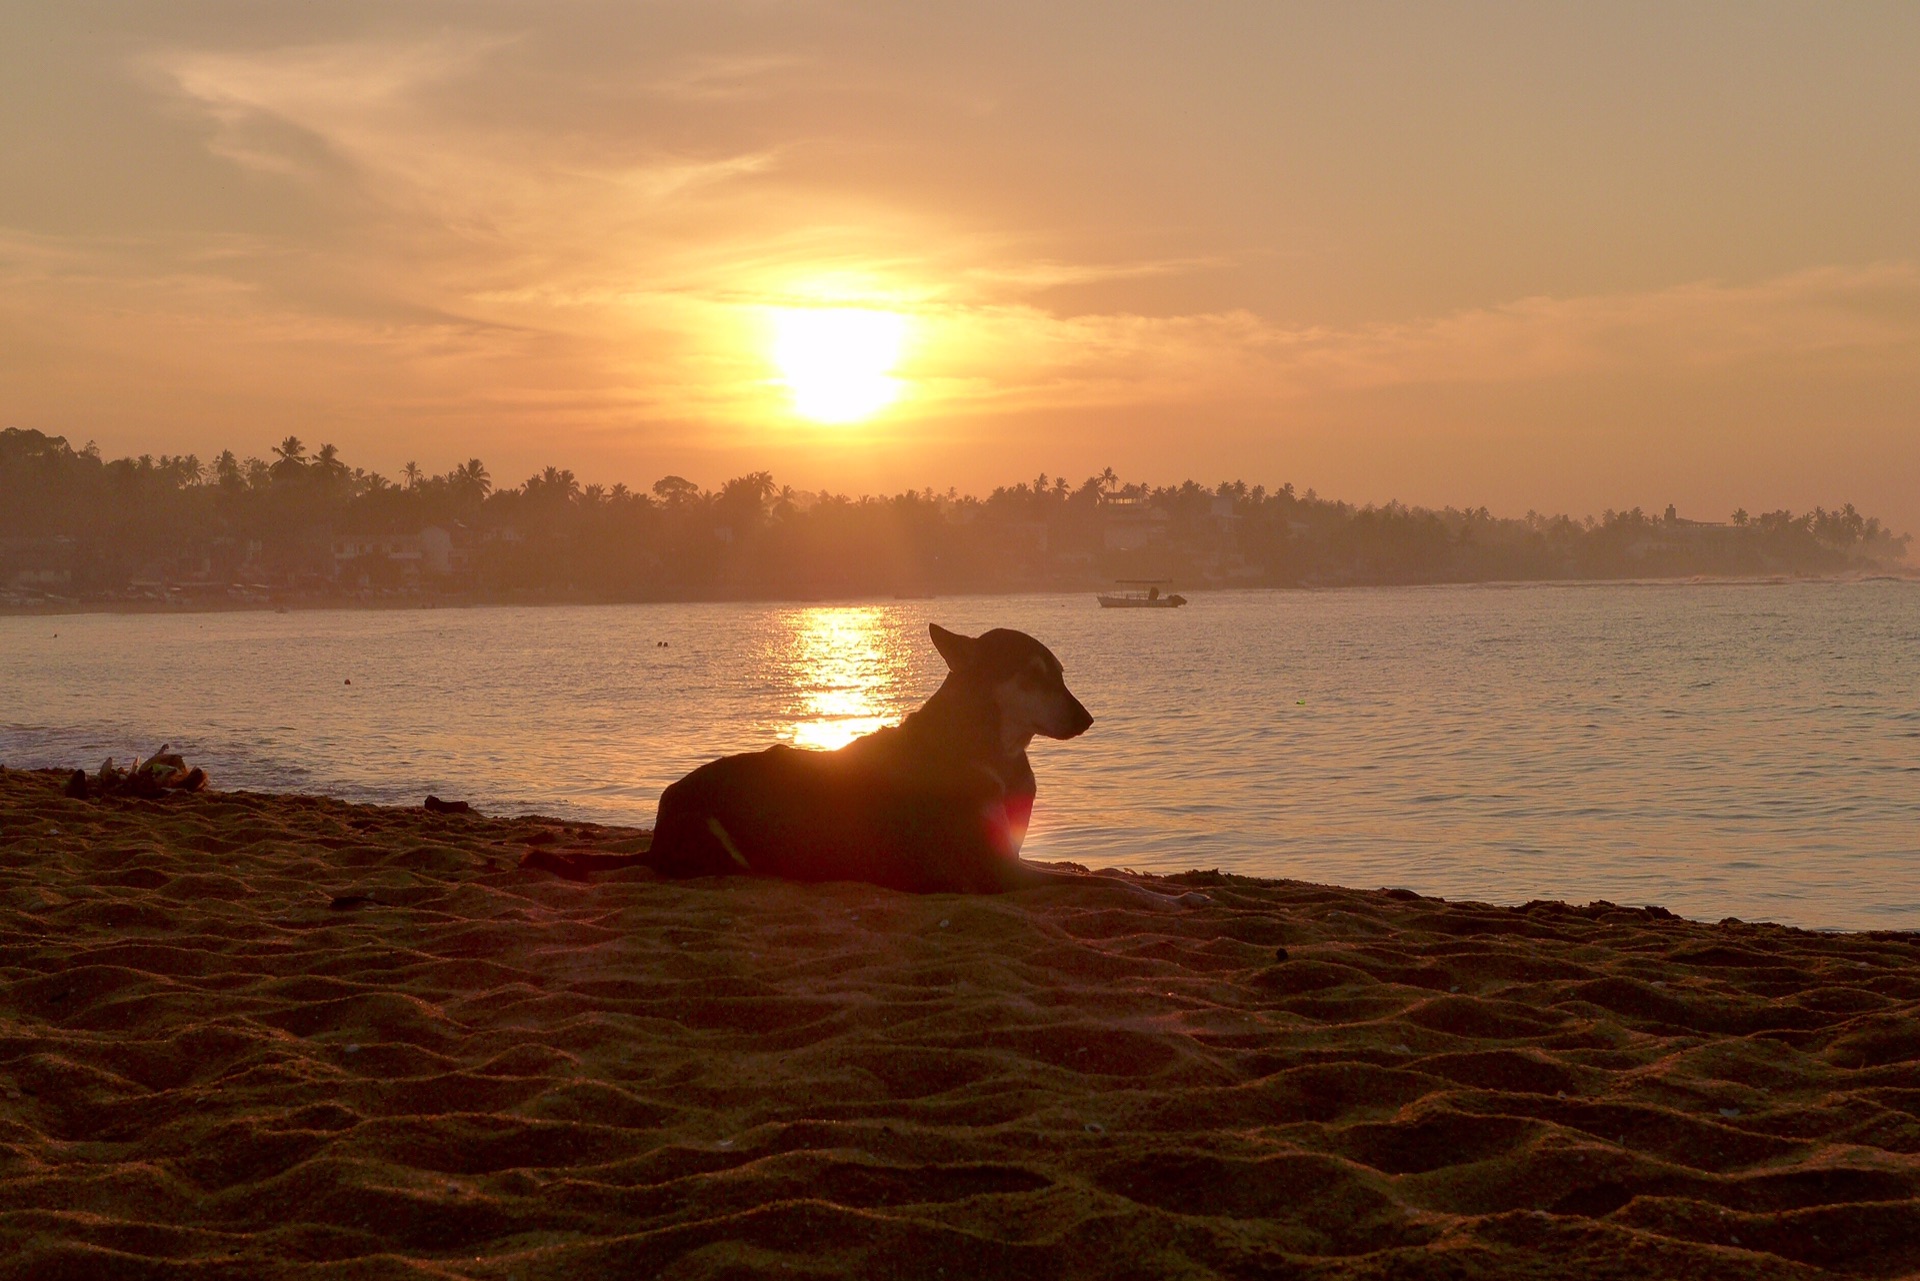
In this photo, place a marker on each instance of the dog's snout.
(1080, 721)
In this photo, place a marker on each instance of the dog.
(937, 804)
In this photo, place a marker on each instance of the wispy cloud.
(520, 229)
(1021, 354)
(287, 111)
(589, 237)
(728, 79)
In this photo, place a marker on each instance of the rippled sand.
(256, 1036)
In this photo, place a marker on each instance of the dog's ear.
(958, 650)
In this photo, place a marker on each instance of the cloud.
(1022, 355)
(590, 236)
(535, 237)
(300, 111)
(725, 78)
(1042, 274)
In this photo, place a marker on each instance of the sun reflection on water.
(846, 666)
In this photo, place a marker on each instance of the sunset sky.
(1556, 256)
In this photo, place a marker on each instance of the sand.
(264, 1036)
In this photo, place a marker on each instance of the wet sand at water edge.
(261, 1036)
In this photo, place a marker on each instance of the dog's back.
(818, 816)
(937, 803)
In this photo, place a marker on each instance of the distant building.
(1679, 536)
(1032, 535)
(434, 550)
(441, 552)
(38, 564)
(1128, 524)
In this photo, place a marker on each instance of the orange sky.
(1552, 256)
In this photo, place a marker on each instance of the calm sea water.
(1743, 750)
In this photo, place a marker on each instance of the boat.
(1140, 593)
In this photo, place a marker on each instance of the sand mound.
(252, 1036)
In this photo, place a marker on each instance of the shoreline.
(257, 1035)
(311, 605)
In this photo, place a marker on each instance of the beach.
(1722, 751)
(251, 1035)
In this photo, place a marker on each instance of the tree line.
(276, 523)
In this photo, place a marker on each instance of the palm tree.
(476, 477)
(470, 482)
(751, 490)
(560, 482)
(292, 458)
(413, 473)
(1108, 479)
(328, 464)
(554, 485)
(743, 500)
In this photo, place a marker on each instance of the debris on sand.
(164, 771)
(435, 805)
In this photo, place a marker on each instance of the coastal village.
(308, 528)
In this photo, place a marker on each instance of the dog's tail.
(687, 841)
(674, 857)
(576, 866)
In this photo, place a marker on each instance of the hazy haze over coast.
(1556, 258)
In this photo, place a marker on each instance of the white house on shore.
(1128, 523)
(432, 551)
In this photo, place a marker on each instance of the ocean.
(1741, 749)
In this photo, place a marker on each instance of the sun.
(838, 361)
